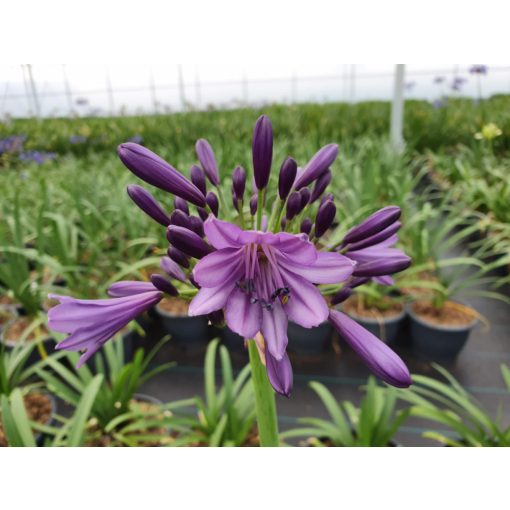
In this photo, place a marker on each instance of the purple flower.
(77, 139)
(457, 83)
(437, 104)
(90, 323)
(37, 157)
(262, 151)
(262, 280)
(253, 205)
(322, 160)
(181, 204)
(198, 179)
(279, 373)
(325, 218)
(212, 202)
(306, 226)
(178, 256)
(129, 288)
(373, 224)
(156, 171)
(171, 268)
(208, 161)
(320, 185)
(287, 177)
(148, 204)
(478, 69)
(293, 205)
(238, 183)
(379, 358)
(162, 284)
(187, 241)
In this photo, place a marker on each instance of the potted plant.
(374, 423)
(226, 417)
(15, 374)
(118, 409)
(449, 405)
(378, 309)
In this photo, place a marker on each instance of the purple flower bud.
(341, 296)
(217, 318)
(202, 213)
(129, 288)
(180, 219)
(234, 201)
(262, 151)
(306, 226)
(320, 185)
(187, 241)
(192, 281)
(253, 205)
(384, 266)
(279, 373)
(156, 171)
(198, 179)
(197, 225)
(212, 202)
(181, 204)
(322, 160)
(324, 219)
(377, 238)
(293, 205)
(356, 282)
(162, 284)
(283, 223)
(171, 268)
(326, 197)
(373, 224)
(178, 256)
(148, 204)
(305, 197)
(238, 183)
(287, 177)
(206, 157)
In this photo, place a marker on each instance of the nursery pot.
(186, 332)
(233, 342)
(385, 328)
(311, 341)
(433, 341)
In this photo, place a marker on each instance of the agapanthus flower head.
(458, 82)
(255, 272)
(478, 69)
(439, 79)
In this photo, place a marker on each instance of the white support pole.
(67, 87)
(244, 86)
(34, 91)
(353, 83)
(154, 98)
(109, 90)
(198, 90)
(397, 109)
(182, 92)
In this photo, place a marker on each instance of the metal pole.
(153, 92)
(110, 93)
(245, 89)
(397, 110)
(353, 82)
(27, 89)
(34, 91)
(182, 93)
(198, 90)
(67, 89)
(293, 88)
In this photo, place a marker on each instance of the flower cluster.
(253, 266)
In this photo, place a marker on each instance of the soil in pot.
(7, 314)
(39, 407)
(384, 321)
(187, 332)
(440, 333)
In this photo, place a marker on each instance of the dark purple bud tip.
(382, 267)
(320, 185)
(325, 217)
(148, 204)
(181, 204)
(286, 178)
(326, 197)
(178, 256)
(212, 202)
(187, 241)
(373, 224)
(293, 205)
(162, 284)
(208, 161)
(306, 226)
(197, 225)
(377, 238)
(180, 219)
(305, 194)
(172, 269)
(156, 171)
(202, 213)
(279, 373)
(341, 296)
(238, 183)
(253, 205)
(198, 179)
(262, 151)
(322, 160)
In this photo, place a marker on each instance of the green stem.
(260, 207)
(276, 216)
(265, 405)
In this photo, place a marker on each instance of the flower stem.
(260, 207)
(264, 399)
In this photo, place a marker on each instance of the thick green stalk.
(260, 207)
(264, 399)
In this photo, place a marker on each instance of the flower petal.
(210, 299)
(274, 330)
(243, 317)
(218, 267)
(330, 267)
(296, 248)
(128, 288)
(379, 358)
(279, 374)
(222, 234)
(305, 306)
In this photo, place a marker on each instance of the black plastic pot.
(309, 341)
(436, 342)
(186, 332)
(233, 342)
(387, 328)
